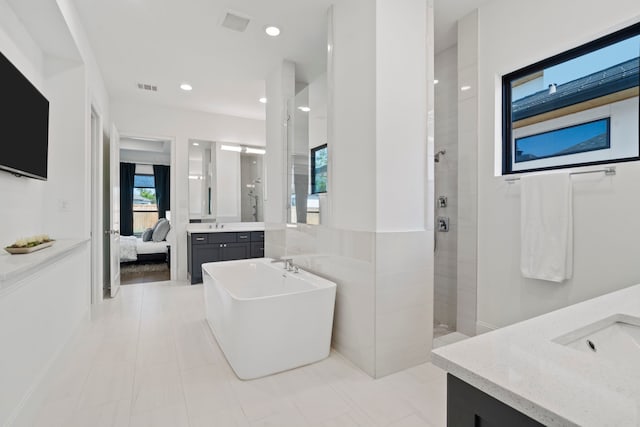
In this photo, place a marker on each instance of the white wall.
(61, 206)
(352, 183)
(22, 207)
(68, 206)
(183, 125)
(606, 224)
(401, 115)
(52, 303)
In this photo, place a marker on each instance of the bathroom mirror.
(225, 182)
(307, 153)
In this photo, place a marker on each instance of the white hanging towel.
(546, 227)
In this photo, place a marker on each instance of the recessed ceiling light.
(263, 100)
(304, 109)
(186, 87)
(272, 31)
(435, 82)
(463, 88)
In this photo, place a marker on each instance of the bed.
(133, 249)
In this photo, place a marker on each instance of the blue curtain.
(127, 176)
(163, 189)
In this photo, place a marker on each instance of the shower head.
(436, 157)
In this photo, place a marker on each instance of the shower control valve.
(443, 224)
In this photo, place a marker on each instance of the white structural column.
(404, 184)
(377, 241)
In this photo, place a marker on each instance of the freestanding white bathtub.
(266, 319)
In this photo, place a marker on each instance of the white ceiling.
(167, 42)
(47, 27)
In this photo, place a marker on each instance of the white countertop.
(552, 383)
(15, 267)
(224, 227)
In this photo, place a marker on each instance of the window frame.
(507, 132)
(156, 204)
(313, 168)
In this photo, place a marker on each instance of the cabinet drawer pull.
(200, 239)
(244, 237)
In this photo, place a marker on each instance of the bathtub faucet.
(288, 263)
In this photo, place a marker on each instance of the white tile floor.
(149, 359)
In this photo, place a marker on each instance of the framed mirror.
(225, 182)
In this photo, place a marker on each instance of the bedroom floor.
(131, 274)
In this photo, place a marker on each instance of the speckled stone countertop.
(225, 227)
(554, 384)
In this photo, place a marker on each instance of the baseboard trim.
(483, 327)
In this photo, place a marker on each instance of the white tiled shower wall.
(468, 177)
(446, 184)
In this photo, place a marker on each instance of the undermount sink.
(615, 338)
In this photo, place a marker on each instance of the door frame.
(97, 148)
(172, 192)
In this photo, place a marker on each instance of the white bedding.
(151, 247)
(131, 246)
(128, 250)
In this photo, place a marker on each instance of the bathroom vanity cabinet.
(221, 246)
(546, 370)
(468, 406)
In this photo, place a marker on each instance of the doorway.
(148, 233)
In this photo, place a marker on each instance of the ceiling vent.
(235, 21)
(147, 87)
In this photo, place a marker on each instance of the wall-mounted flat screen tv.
(24, 124)
(319, 162)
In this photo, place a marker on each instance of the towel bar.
(609, 171)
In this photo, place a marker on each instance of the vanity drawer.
(199, 238)
(243, 236)
(257, 236)
(222, 237)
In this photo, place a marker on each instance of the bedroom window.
(145, 207)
